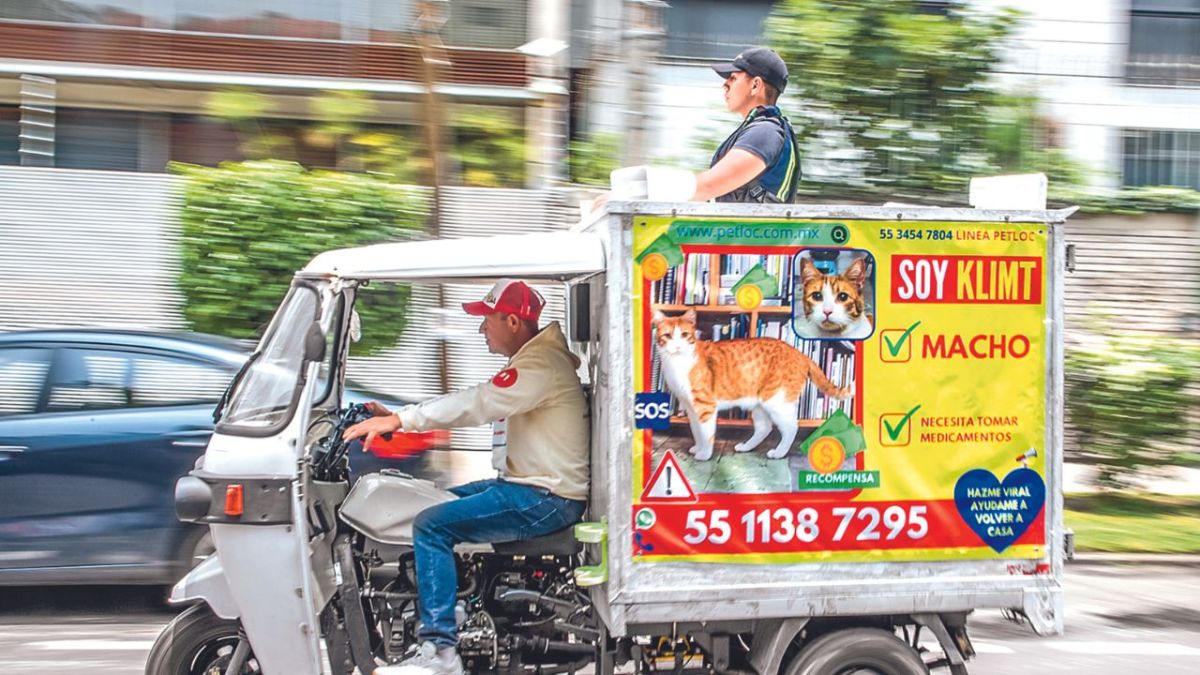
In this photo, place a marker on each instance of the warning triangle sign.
(668, 484)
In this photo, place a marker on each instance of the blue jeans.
(487, 511)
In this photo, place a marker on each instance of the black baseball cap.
(757, 62)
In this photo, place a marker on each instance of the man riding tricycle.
(764, 438)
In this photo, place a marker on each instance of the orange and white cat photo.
(833, 305)
(763, 376)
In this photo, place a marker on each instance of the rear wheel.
(857, 651)
(197, 642)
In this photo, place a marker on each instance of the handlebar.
(329, 458)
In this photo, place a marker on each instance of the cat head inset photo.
(675, 335)
(833, 306)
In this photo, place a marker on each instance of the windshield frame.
(226, 427)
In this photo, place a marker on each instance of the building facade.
(124, 84)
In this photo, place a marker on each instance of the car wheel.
(195, 547)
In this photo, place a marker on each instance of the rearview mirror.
(314, 343)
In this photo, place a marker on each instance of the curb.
(1183, 559)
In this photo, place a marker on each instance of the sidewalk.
(1180, 559)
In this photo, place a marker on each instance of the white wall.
(1072, 53)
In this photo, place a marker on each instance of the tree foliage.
(593, 158)
(898, 96)
(247, 228)
(488, 147)
(485, 146)
(337, 125)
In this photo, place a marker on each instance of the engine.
(516, 614)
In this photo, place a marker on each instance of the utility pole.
(430, 20)
(546, 123)
(643, 23)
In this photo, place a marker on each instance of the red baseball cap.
(511, 297)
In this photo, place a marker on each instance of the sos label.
(652, 411)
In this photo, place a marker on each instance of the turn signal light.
(233, 500)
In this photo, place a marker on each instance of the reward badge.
(839, 428)
(754, 285)
(827, 449)
(662, 254)
(826, 455)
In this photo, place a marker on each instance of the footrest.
(593, 533)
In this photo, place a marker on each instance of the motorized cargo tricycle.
(914, 477)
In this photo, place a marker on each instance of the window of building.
(10, 133)
(485, 23)
(1164, 42)
(87, 138)
(1158, 157)
(714, 29)
(128, 13)
(391, 21)
(319, 19)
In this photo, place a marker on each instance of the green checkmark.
(894, 347)
(893, 432)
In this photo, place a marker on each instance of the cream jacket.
(540, 430)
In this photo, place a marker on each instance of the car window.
(162, 380)
(22, 377)
(90, 379)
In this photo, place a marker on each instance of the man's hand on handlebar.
(377, 409)
(383, 423)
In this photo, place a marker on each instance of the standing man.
(540, 447)
(760, 161)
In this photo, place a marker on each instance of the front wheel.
(858, 651)
(198, 642)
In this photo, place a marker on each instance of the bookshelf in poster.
(704, 281)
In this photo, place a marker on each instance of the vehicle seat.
(561, 542)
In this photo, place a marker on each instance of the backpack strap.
(754, 191)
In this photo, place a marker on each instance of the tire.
(195, 547)
(197, 642)
(857, 651)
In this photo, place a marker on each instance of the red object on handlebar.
(408, 443)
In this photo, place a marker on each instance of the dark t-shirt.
(766, 139)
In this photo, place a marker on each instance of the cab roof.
(550, 255)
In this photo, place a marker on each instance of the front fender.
(207, 582)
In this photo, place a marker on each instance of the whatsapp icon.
(644, 518)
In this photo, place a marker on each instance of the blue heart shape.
(999, 512)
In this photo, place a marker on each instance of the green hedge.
(1129, 401)
(248, 227)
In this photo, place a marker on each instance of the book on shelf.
(689, 283)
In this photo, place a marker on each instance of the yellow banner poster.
(838, 390)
